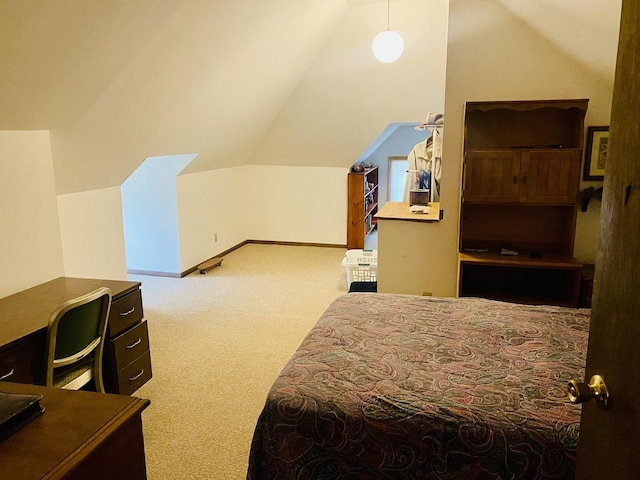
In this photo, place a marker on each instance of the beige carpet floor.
(218, 341)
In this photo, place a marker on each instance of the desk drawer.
(130, 345)
(134, 375)
(125, 312)
(21, 364)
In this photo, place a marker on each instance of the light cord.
(388, 13)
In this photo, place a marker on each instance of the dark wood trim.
(297, 244)
(222, 254)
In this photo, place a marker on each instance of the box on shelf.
(361, 265)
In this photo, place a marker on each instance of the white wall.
(209, 204)
(30, 246)
(297, 204)
(150, 215)
(259, 202)
(253, 202)
(92, 234)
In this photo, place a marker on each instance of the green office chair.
(75, 341)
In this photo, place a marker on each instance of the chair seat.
(74, 376)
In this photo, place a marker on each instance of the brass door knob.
(580, 392)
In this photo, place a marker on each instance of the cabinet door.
(491, 176)
(550, 177)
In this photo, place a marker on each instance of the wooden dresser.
(23, 330)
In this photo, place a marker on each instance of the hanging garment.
(423, 164)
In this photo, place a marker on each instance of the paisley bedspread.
(408, 387)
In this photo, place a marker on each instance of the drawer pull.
(137, 375)
(6, 375)
(124, 314)
(134, 344)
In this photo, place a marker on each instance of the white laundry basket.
(361, 265)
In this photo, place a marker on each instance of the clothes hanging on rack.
(420, 160)
(426, 158)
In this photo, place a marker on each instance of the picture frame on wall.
(595, 157)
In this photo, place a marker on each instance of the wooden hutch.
(519, 203)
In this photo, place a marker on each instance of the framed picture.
(595, 157)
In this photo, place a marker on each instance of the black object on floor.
(369, 287)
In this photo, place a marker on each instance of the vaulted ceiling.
(120, 81)
(117, 81)
(60, 59)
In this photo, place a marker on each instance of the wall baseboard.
(297, 244)
(152, 273)
(222, 254)
(262, 242)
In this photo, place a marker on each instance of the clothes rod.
(424, 127)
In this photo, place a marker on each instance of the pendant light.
(388, 44)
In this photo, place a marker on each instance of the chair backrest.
(76, 330)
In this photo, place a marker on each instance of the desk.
(24, 317)
(80, 435)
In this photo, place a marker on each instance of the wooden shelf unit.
(521, 178)
(362, 198)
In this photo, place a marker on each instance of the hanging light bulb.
(388, 44)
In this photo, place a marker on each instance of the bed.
(409, 387)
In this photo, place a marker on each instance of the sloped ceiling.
(118, 81)
(56, 58)
(586, 30)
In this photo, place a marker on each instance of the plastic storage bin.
(361, 265)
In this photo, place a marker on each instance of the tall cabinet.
(362, 205)
(519, 201)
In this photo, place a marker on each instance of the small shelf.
(522, 123)
(526, 282)
(372, 228)
(362, 198)
(523, 259)
(371, 208)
